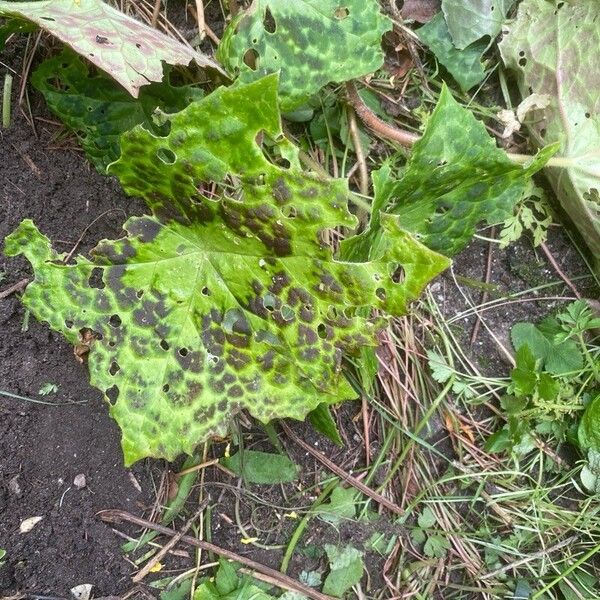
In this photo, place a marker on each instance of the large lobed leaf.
(309, 42)
(126, 49)
(550, 46)
(209, 307)
(99, 110)
(455, 178)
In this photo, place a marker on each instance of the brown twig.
(358, 150)
(155, 13)
(16, 287)
(367, 491)
(169, 545)
(282, 581)
(484, 295)
(371, 120)
(559, 271)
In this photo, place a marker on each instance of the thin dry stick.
(559, 271)
(200, 18)
(283, 581)
(170, 544)
(484, 296)
(360, 155)
(16, 287)
(531, 557)
(199, 467)
(367, 491)
(155, 13)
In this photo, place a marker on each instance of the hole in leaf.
(164, 345)
(287, 313)
(115, 321)
(251, 58)
(289, 211)
(205, 291)
(112, 344)
(166, 155)
(522, 53)
(183, 351)
(522, 62)
(397, 273)
(112, 393)
(269, 22)
(68, 323)
(139, 293)
(587, 115)
(341, 12)
(381, 293)
(166, 388)
(332, 313)
(322, 331)
(269, 302)
(138, 45)
(95, 278)
(114, 368)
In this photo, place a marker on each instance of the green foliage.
(532, 214)
(464, 65)
(455, 178)
(261, 467)
(322, 420)
(309, 42)
(208, 307)
(557, 369)
(545, 44)
(434, 544)
(99, 110)
(340, 507)
(346, 567)
(129, 51)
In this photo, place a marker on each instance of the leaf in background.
(548, 45)
(129, 51)
(455, 178)
(13, 26)
(470, 20)
(346, 569)
(464, 65)
(310, 42)
(99, 110)
(557, 358)
(589, 426)
(209, 306)
(322, 420)
(436, 546)
(261, 467)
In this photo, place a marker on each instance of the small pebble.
(79, 481)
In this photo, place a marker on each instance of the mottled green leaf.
(213, 305)
(309, 42)
(126, 49)
(455, 178)
(550, 46)
(261, 467)
(99, 110)
(465, 65)
(470, 20)
(346, 569)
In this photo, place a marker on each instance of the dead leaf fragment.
(420, 10)
(28, 524)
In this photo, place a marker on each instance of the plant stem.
(289, 551)
(6, 101)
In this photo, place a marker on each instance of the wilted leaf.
(548, 45)
(346, 569)
(470, 20)
(261, 467)
(28, 524)
(99, 110)
(129, 51)
(310, 42)
(420, 10)
(456, 177)
(211, 306)
(464, 65)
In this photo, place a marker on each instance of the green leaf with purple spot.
(126, 49)
(212, 305)
(309, 42)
